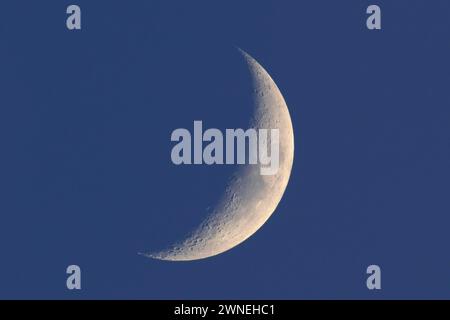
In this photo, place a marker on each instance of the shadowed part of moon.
(249, 198)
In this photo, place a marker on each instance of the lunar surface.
(249, 198)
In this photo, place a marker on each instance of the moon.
(249, 198)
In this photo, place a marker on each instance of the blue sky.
(85, 170)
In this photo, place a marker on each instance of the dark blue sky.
(85, 123)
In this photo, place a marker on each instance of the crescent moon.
(249, 198)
